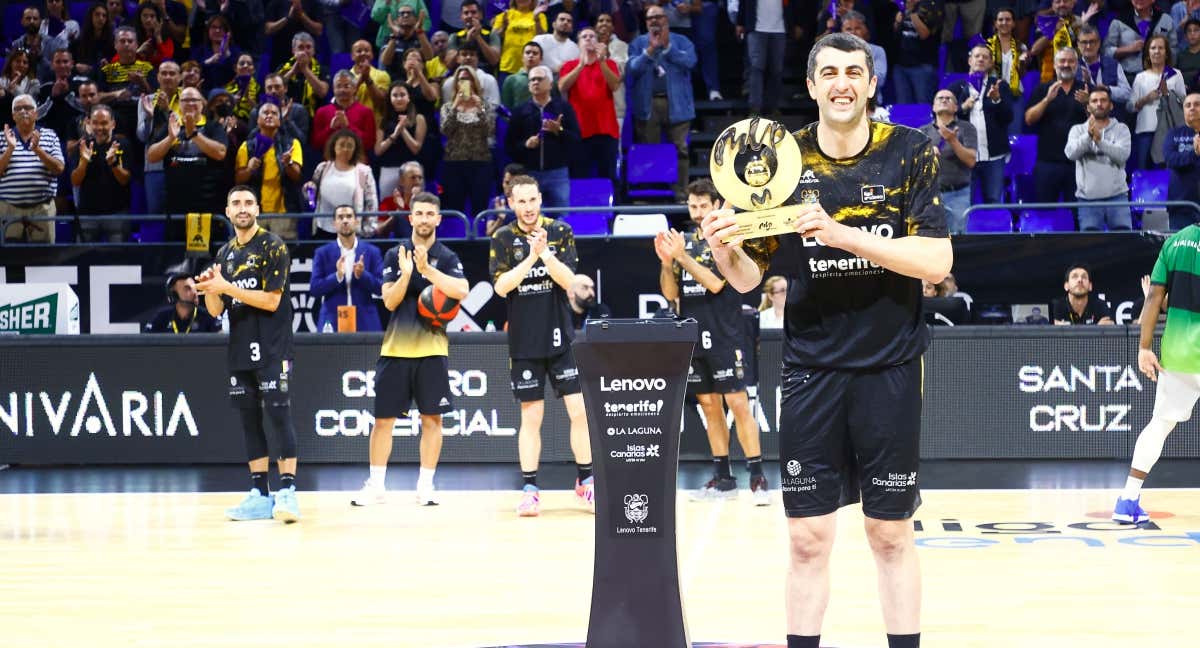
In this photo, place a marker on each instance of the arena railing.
(1016, 208)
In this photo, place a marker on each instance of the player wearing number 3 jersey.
(532, 265)
(249, 278)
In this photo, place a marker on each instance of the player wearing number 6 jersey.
(250, 279)
(689, 274)
(532, 264)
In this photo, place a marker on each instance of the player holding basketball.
(414, 363)
(250, 280)
(533, 264)
(1176, 273)
(690, 275)
(854, 334)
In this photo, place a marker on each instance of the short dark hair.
(1189, 22)
(1101, 88)
(843, 42)
(515, 169)
(1077, 266)
(703, 187)
(466, 3)
(535, 44)
(1011, 12)
(241, 187)
(345, 206)
(427, 198)
(524, 180)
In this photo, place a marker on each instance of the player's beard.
(237, 220)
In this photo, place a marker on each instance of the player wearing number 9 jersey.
(532, 265)
(250, 279)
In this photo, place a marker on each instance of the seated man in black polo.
(1079, 306)
(185, 313)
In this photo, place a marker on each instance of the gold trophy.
(756, 165)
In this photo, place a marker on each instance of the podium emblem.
(636, 507)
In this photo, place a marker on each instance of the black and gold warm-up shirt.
(844, 311)
(407, 334)
(539, 315)
(719, 314)
(257, 337)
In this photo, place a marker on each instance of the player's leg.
(815, 472)
(810, 543)
(273, 383)
(899, 571)
(884, 420)
(433, 399)
(529, 451)
(722, 484)
(748, 437)
(1174, 399)
(379, 450)
(564, 377)
(243, 394)
(394, 379)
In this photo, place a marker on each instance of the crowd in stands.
(159, 107)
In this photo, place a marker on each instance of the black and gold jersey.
(408, 335)
(539, 315)
(258, 338)
(844, 311)
(719, 314)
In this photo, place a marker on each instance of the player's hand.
(1146, 286)
(421, 259)
(672, 242)
(812, 221)
(211, 281)
(405, 261)
(537, 242)
(660, 249)
(1148, 363)
(718, 225)
(341, 268)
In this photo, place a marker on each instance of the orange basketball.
(435, 307)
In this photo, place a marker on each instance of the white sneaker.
(369, 495)
(426, 495)
(715, 95)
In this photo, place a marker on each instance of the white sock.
(425, 476)
(1133, 487)
(377, 475)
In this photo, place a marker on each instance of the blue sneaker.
(256, 506)
(1129, 511)
(286, 509)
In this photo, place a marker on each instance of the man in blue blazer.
(347, 268)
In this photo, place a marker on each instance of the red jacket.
(362, 121)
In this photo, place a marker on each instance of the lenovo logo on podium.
(634, 377)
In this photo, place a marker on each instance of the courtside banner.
(990, 392)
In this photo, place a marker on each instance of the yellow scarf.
(1064, 36)
(1014, 77)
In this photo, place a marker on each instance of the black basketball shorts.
(848, 436)
(721, 370)
(401, 381)
(529, 376)
(250, 388)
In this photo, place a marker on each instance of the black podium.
(634, 378)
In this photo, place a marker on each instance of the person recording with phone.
(467, 122)
(100, 175)
(184, 312)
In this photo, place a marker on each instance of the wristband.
(546, 255)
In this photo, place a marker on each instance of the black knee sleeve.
(280, 416)
(252, 428)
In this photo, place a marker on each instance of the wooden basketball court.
(145, 569)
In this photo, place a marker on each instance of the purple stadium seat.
(78, 12)
(1047, 220)
(452, 227)
(1149, 185)
(12, 21)
(950, 77)
(590, 192)
(587, 223)
(1020, 164)
(1029, 82)
(648, 167)
(340, 61)
(989, 221)
(913, 115)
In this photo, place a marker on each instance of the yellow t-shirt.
(382, 80)
(271, 200)
(519, 28)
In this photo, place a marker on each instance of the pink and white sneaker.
(530, 505)
(585, 491)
